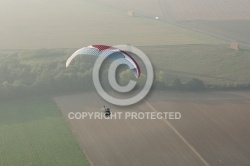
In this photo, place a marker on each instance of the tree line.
(44, 73)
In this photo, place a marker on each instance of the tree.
(195, 84)
(176, 84)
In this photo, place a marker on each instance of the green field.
(212, 64)
(33, 132)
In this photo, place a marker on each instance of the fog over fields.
(200, 53)
(64, 24)
(187, 9)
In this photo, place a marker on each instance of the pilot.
(107, 112)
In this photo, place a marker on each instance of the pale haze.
(71, 24)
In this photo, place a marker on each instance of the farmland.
(38, 36)
(234, 30)
(80, 23)
(186, 9)
(212, 64)
(213, 130)
(33, 132)
(227, 20)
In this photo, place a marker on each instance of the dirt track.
(214, 130)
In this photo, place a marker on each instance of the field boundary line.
(180, 136)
